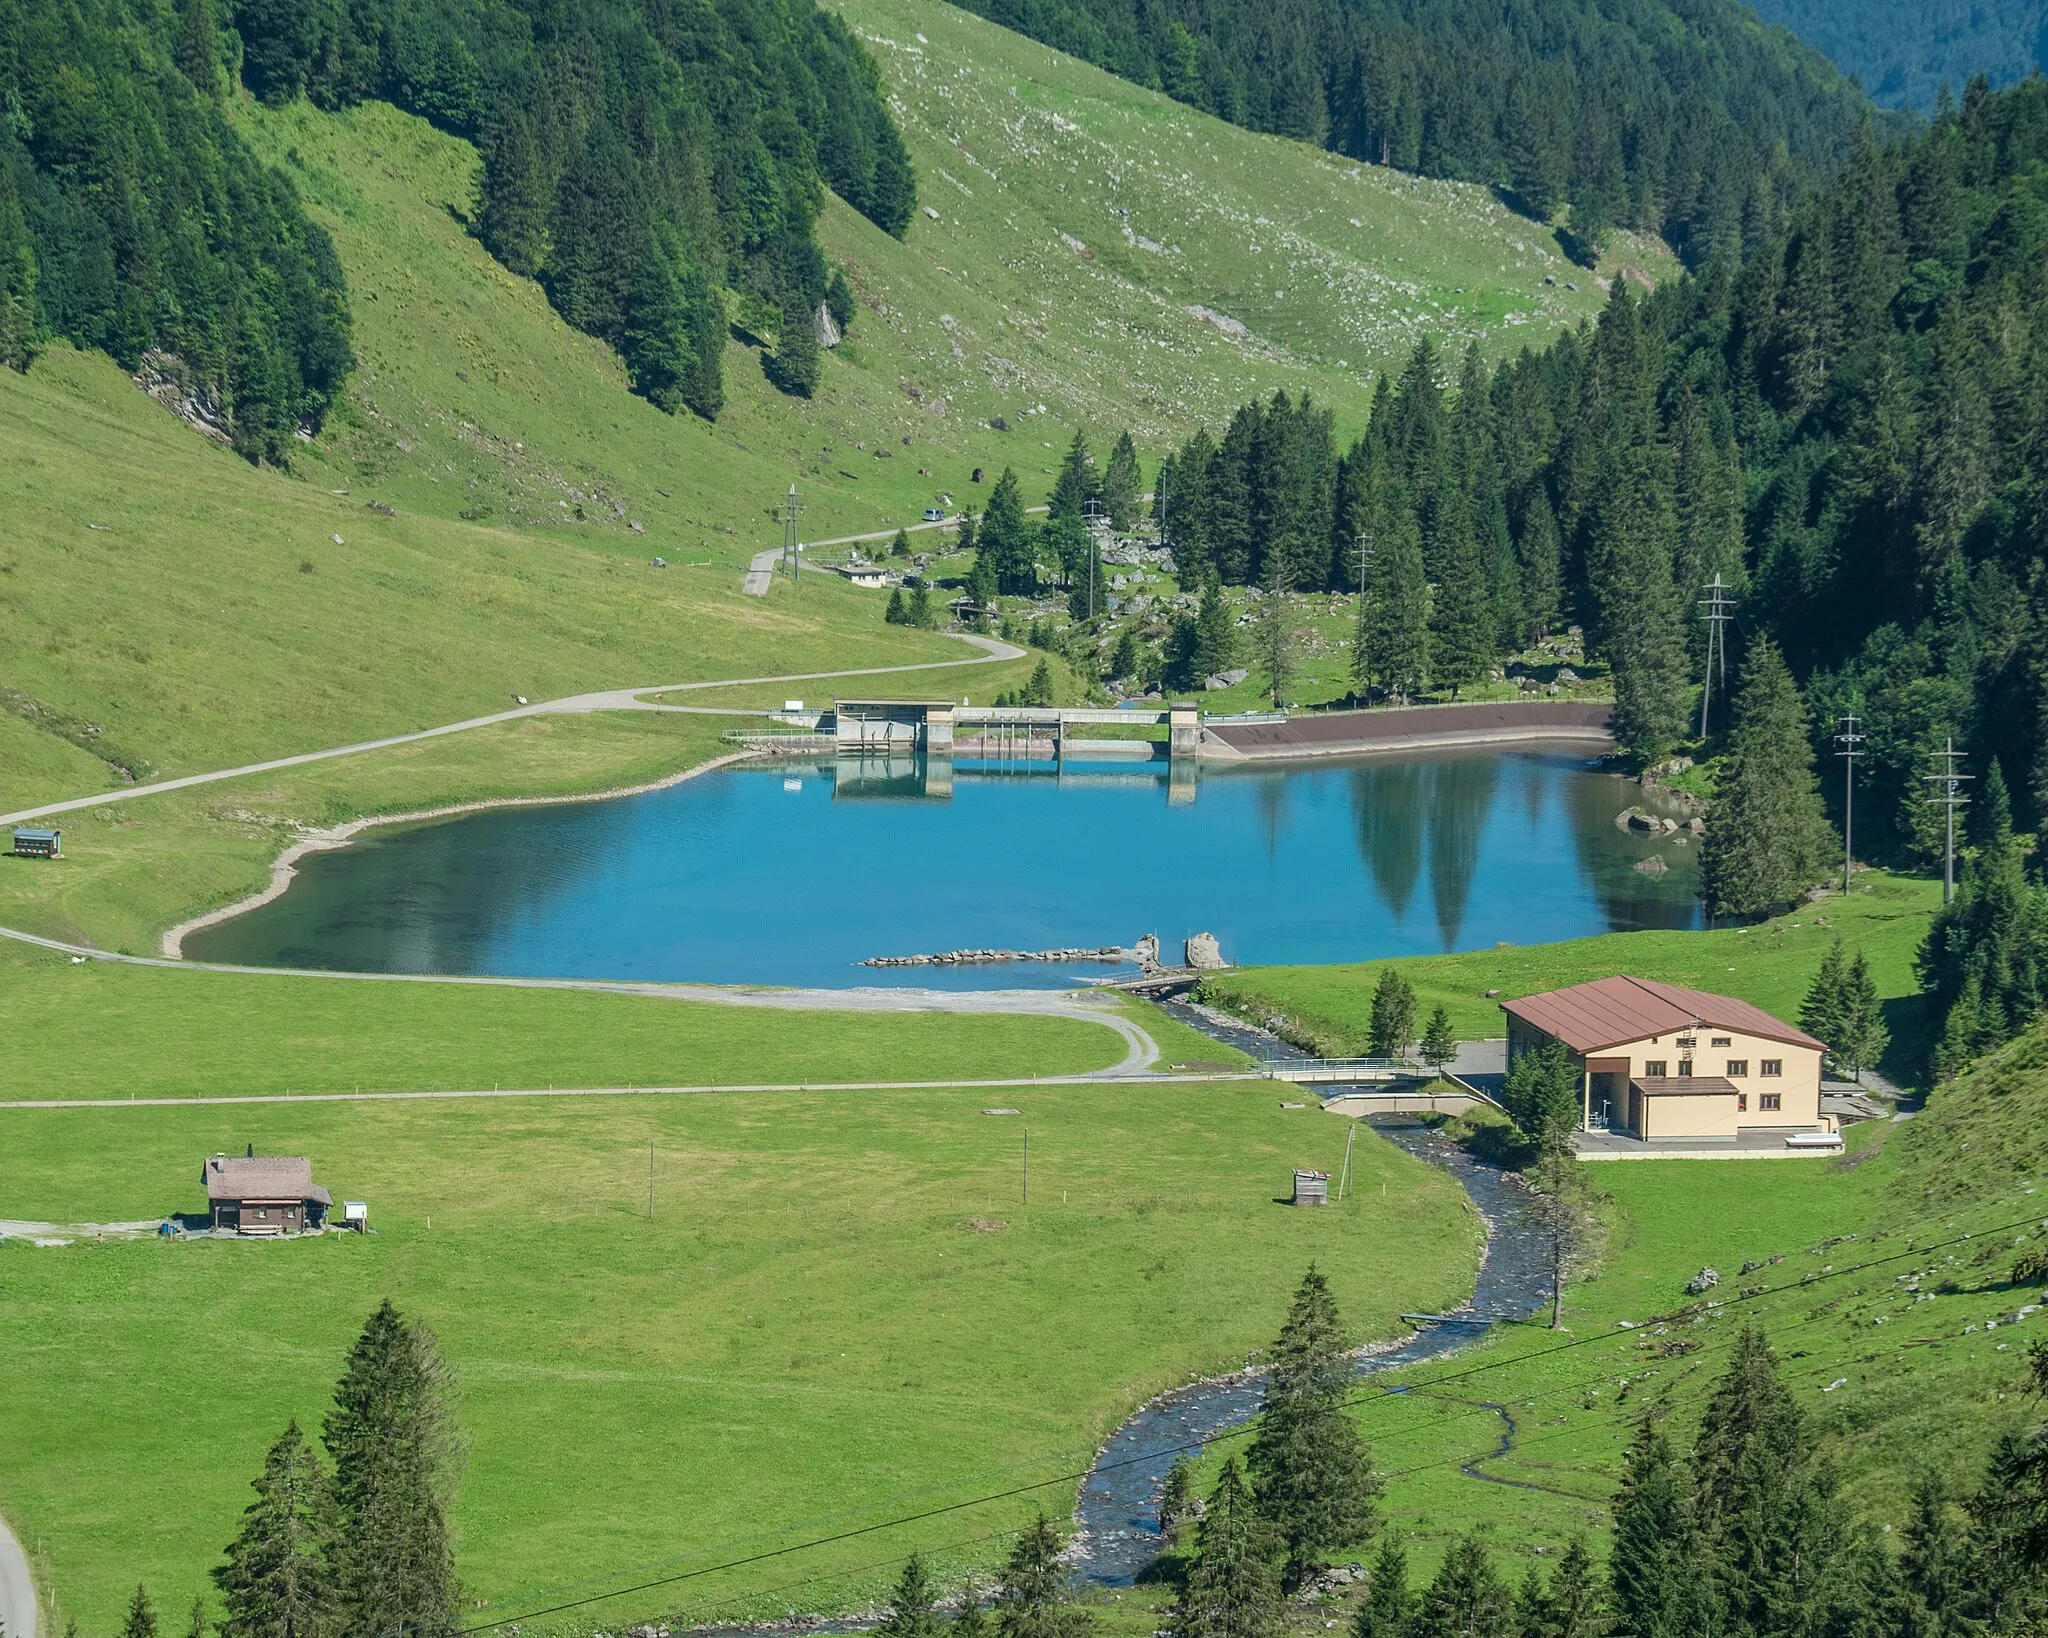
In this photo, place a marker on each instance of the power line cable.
(1200, 1442)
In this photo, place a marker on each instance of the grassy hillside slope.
(498, 492)
(840, 1310)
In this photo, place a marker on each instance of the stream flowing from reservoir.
(1118, 1511)
(796, 872)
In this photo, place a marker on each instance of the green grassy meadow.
(101, 1030)
(842, 1309)
(1770, 963)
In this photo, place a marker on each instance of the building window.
(1771, 1066)
(1770, 1101)
(1687, 1042)
(1742, 1103)
(1654, 1067)
(1685, 1068)
(1737, 1068)
(1722, 1041)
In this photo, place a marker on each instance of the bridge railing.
(1337, 1068)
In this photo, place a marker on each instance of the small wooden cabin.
(33, 842)
(264, 1194)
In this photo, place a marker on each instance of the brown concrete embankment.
(1414, 728)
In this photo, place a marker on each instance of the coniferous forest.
(641, 159)
(1849, 426)
(1681, 119)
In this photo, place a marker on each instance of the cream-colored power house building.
(1667, 1063)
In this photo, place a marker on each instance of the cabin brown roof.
(1609, 1011)
(263, 1177)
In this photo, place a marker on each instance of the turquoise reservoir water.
(793, 874)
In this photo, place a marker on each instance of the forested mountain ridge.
(1850, 427)
(1690, 120)
(642, 159)
(1905, 51)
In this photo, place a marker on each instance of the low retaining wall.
(1413, 728)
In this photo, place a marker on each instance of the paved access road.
(17, 1588)
(613, 699)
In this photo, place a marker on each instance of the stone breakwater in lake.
(1118, 1513)
(978, 958)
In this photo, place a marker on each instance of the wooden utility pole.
(1948, 785)
(1848, 739)
(1344, 1177)
(1718, 609)
(1364, 559)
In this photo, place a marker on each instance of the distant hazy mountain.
(1904, 51)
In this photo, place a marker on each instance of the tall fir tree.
(1656, 1571)
(1275, 631)
(1389, 1602)
(1537, 555)
(1034, 1598)
(1767, 838)
(1004, 537)
(1461, 611)
(1394, 624)
(276, 1582)
(1639, 625)
(913, 1605)
(1393, 1015)
(1122, 484)
(1232, 1589)
(140, 1621)
(1467, 1599)
(393, 1440)
(1311, 1472)
(1076, 484)
(1820, 1014)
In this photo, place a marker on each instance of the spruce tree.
(276, 1582)
(1542, 1090)
(196, 1622)
(1177, 1499)
(1439, 1040)
(1821, 1013)
(1655, 1570)
(1311, 1472)
(393, 1441)
(1935, 1564)
(1538, 554)
(1033, 1599)
(1638, 622)
(1039, 690)
(1274, 630)
(1388, 1602)
(896, 614)
(140, 1621)
(1215, 634)
(1574, 1605)
(913, 1606)
(1076, 484)
(1461, 616)
(1004, 537)
(917, 609)
(794, 364)
(1122, 484)
(1468, 1598)
(1233, 1588)
(1393, 620)
(1767, 839)
(1864, 1032)
(900, 546)
(1393, 1015)
(1764, 1506)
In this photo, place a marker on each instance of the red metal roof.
(1611, 1011)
